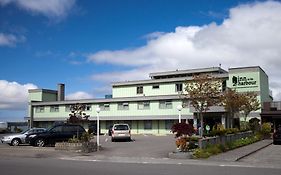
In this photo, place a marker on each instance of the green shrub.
(200, 153)
(266, 128)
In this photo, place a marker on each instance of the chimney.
(60, 96)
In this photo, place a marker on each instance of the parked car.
(120, 131)
(20, 138)
(58, 133)
(277, 136)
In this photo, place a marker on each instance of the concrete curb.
(251, 152)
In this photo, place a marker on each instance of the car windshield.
(25, 131)
(121, 127)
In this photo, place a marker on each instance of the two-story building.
(148, 106)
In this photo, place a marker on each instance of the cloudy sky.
(89, 44)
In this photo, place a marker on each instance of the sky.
(87, 45)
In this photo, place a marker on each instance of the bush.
(216, 149)
(266, 128)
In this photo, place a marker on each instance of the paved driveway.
(141, 146)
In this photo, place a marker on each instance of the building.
(271, 112)
(149, 106)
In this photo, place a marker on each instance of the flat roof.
(188, 71)
(166, 80)
(43, 90)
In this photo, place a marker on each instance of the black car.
(277, 136)
(58, 133)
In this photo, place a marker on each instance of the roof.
(166, 80)
(188, 71)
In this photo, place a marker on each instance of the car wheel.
(40, 142)
(15, 142)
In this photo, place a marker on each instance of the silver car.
(120, 131)
(19, 138)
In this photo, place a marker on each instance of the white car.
(19, 138)
(120, 132)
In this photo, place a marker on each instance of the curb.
(239, 158)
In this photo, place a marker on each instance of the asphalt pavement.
(145, 149)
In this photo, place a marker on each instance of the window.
(140, 90)
(156, 86)
(123, 106)
(54, 108)
(169, 124)
(178, 87)
(144, 105)
(39, 109)
(104, 107)
(88, 107)
(67, 108)
(165, 104)
(148, 124)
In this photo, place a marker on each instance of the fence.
(202, 143)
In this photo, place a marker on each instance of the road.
(47, 166)
(144, 155)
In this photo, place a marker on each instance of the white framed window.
(169, 124)
(147, 124)
(155, 86)
(67, 108)
(140, 90)
(39, 109)
(165, 104)
(88, 107)
(178, 87)
(143, 105)
(54, 108)
(105, 107)
(123, 106)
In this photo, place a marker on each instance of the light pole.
(179, 108)
(98, 128)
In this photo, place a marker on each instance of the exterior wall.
(264, 88)
(118, 114)
(131, 91)
(35, 96)
(251, 79)
(42, 96)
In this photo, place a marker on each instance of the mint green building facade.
(148, 106)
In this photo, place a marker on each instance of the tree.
(250, 103)
(77, 113)
(232, 101)
(203, 92)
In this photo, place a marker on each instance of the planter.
(180, 155)
(84, 147)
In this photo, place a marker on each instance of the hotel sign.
(243, 81)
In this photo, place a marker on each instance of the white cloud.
(250, 36)
(14, 95)
(49, 8)
(79, 95)
(10, 39)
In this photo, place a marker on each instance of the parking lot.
(140, 146)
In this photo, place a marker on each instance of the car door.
(56, 134)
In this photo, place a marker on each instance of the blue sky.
(89, 44)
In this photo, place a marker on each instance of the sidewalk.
(239, 153)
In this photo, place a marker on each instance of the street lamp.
(98, 128)
(179, 108)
